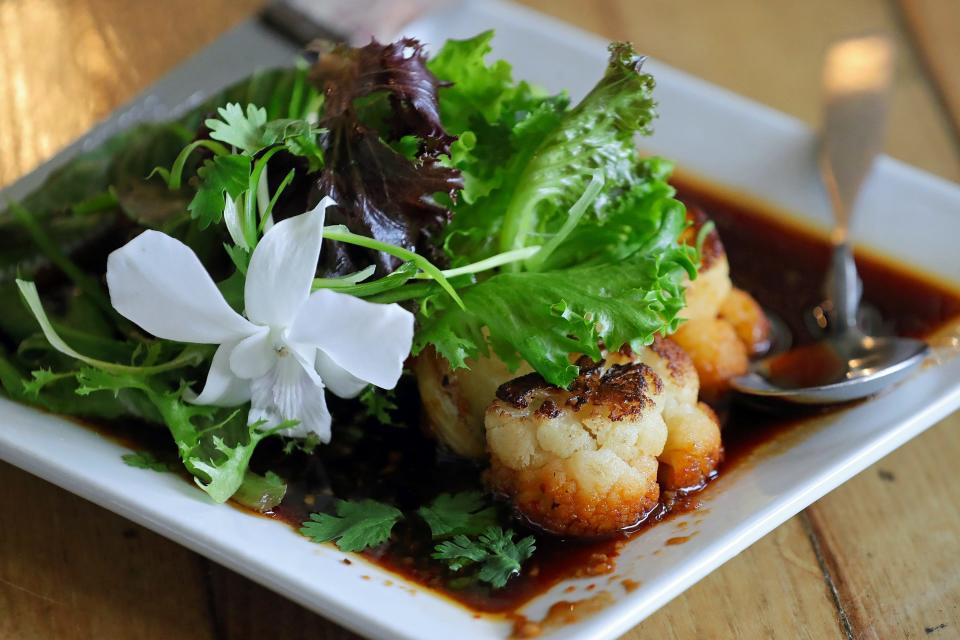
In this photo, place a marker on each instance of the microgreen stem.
(191, 355)
(398, 278)
(590, 194)
(406, 292)
(340, 233)
(174, 176)
(296, 95)
(343, 281)
(507, 257)
(250, 226)
(273, 200)
(702, 234)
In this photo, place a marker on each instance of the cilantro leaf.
(145, 460)
(379, 403)
(357, 525)
(464, 513)
(252, 132)
(460, 552)
(498, 556)
(243, 131)
(505, 558)
(221, 174)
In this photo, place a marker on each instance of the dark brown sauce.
(783, 264)
(779, 263)
(672, 542)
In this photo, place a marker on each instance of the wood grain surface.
(935, 28)
(877, 558)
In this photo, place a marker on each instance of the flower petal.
(283, 266)
(159, 283)
(370, 341)
(231, 217)
(254, 356)
(337, 379)
(223, 388)
(263, 192)
(289, 392)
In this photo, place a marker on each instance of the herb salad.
(374, 205)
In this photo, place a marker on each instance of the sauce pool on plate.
(781, 264)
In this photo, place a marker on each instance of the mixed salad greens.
(506, 218)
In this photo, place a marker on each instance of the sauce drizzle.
(782, 265)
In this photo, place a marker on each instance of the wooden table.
(877, 558)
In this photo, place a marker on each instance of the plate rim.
(627, 610)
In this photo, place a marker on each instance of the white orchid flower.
(290, 345)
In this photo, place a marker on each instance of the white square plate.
(710, 133)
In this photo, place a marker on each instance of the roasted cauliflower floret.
(454, 401)
(705, 294)
(748, 320)
(724, 325)
(582, 461)
(716, 351)
(693, 447)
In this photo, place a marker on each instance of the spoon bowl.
(839, 369)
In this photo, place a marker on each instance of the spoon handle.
(857, 77)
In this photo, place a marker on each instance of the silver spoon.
(847, 364)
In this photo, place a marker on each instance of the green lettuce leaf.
(214, 444)
(543, 317)
(536, 173)
(595, 138)
(500, 124)
(645, 219)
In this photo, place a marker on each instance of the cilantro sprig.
(464, 523)
(495, 552)
(379, 404)
(464, 513)
(357, 525)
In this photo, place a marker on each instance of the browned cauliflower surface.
(591, 460)
(693, 448)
